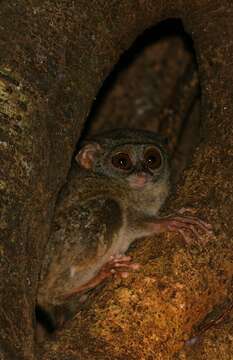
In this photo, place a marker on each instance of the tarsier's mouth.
(139, 180)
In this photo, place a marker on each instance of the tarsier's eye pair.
(151, 159)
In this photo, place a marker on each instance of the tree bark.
(54, 58)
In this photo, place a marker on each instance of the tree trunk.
(54, 58)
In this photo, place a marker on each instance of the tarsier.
(112, 197)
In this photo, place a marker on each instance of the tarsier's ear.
(86, 155)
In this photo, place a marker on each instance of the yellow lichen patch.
(146, 321)
(13, 102)
(1, 250)
(126, 296)
(16, 144)
(155, 310)
(2, 185)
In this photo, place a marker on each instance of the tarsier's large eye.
(122, 161)
(153, 158)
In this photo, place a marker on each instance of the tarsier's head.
(135, 156)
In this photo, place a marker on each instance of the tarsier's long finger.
(198, 222)
(193, 221)
(186, 237)
(197, 236)
(200, 238)
(182, 229)
(133, 266)
(195, 232)
(120, 258)
(175, 225)
(120, 265)
(124, 274)
(192, 211)
(117, 259)
(202, 223)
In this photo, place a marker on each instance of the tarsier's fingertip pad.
(136, 266)
(124, 274)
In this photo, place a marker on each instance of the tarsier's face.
(139, 164)
(128, 156)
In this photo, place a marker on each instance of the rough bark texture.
(54, 57)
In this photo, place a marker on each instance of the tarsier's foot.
(190, 227)
(118, 265)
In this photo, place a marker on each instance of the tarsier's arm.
(190, 227)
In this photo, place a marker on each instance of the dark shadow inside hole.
(43, 318)
(154, 86)
(169, 28)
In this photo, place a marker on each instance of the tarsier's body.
(112, 197)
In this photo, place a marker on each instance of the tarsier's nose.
(139, 179)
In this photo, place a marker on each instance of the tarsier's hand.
(118, 265)
(190, 227)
